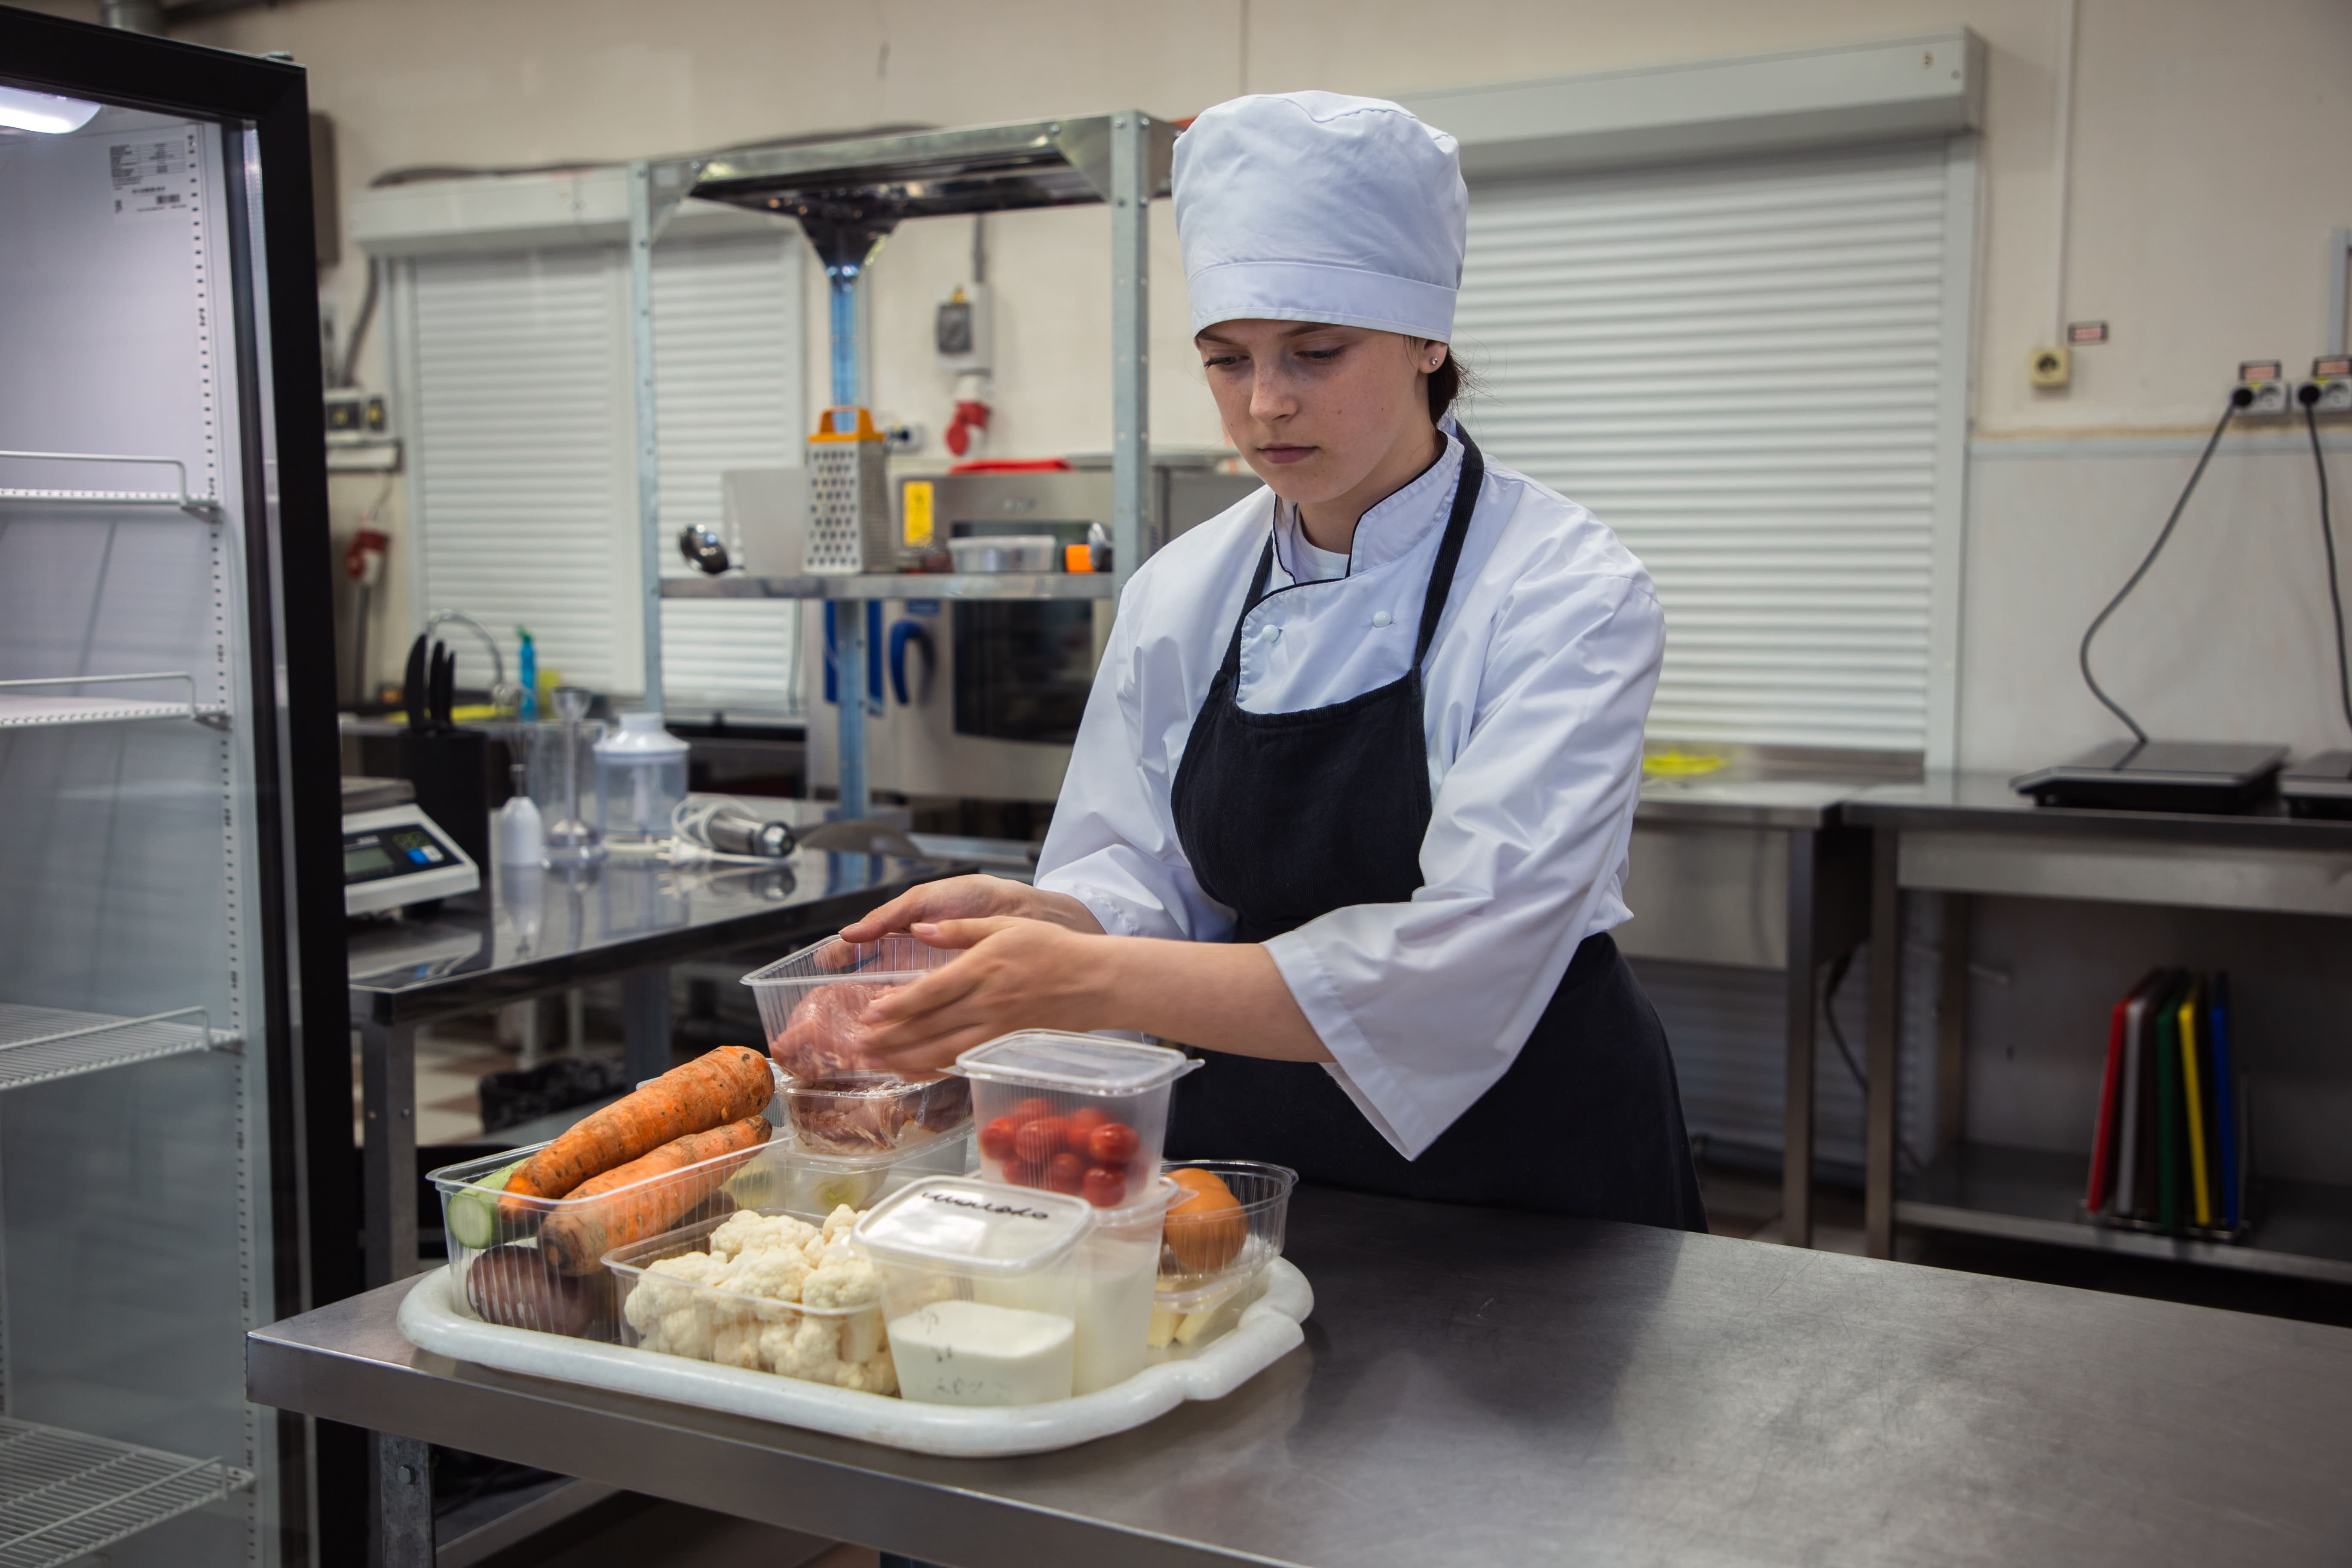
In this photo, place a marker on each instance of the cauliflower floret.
(855, 1283)
(878, 1375)
(655, 1296)
(746, 1232)
(804, 1348)
(840, 1222)
(774, 1272)
(685, 1329)
(735, 1340)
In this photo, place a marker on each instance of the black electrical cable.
(2238, 399)
(2328, 538)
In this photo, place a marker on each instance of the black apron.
(1287, 816)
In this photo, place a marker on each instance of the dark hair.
(1445, 387)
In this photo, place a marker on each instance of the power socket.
(2332, 376)
(2265, 379)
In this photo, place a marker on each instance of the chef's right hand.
(971, 898)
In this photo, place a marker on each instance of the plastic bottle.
(527, 673)
(520, 835)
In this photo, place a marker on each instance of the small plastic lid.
(1074, 1064)
(641, 734)
(969, 1226)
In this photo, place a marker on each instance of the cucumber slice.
(474, 1212)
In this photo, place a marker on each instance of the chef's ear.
(1432, 355)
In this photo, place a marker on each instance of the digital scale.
(2159, 775)
(393, 855)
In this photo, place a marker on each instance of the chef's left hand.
(1014, 974)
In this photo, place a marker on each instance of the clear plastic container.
(1117, 1265)
(536, 1263)
(1204, 1252)
(873, 1112)
(810, 1000)
(803, 1180)
(1072, 1114)
(682, 1315)
(640, 779)
(1007, 552)
(979, 1289)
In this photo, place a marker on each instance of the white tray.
(1268, 1331)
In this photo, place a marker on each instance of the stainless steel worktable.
(536, 932)
(1481, 1389)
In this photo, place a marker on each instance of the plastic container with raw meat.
(810, 1000)
(979, 1289)
(535, 1263)
(872, 1112)
(1072, 1114)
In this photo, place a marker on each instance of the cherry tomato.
(996, 1139)
(1066, 1172)
(1083, 1122)
(1105, 1187)
(1113, 1143)
(1040, 1141)
(1032, 1109)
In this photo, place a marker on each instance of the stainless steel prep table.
(538, 933)
(1480, 1388)
(1958, 835)
(1750, 867)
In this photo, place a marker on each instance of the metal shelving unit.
(64, 1495)
(41, 1045)
(204, 508)
(2301, 1228)
(848, 197)
(1010, 586)
(26, 712)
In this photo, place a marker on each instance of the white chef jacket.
(1536, 691)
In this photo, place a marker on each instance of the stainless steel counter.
(1480, 1388)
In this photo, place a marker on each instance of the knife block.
(451, 773)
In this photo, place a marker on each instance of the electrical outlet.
(2332, 376)
(2266, 380)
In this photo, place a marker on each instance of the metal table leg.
(1802, 984)
(388, 1161)
(403, 1501)
(645, 1023)
(1886, 1029)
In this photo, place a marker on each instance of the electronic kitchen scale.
(2159, 775)
(393, 855)
(2319, 786)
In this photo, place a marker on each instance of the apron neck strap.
(1466, 485)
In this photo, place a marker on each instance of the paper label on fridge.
(154, 176)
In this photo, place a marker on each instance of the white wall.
(2204, 183)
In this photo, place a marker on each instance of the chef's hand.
(1016, 973)
(971, 897)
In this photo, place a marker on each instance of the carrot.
(647, 1197)
(720, 1086)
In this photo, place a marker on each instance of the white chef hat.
(1314, 206)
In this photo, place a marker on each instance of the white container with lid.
(640, 779)
(1118, 1265)
(979, 1289)
(1078, 1114)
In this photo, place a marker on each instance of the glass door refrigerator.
(175, 1113)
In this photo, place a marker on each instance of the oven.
(980, 700)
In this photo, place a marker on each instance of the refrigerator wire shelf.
(64, 1495)
(20, 709)
(41, 1045)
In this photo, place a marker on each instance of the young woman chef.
(1350, 801)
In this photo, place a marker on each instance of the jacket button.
(1273, 634)
(1380, 618)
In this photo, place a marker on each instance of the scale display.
(372, 855)
(397, 856)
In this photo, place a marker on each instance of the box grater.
(849, 498)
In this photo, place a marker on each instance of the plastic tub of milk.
(980, 1289)
(1119, 1266)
